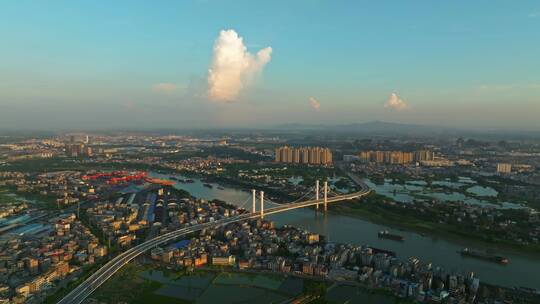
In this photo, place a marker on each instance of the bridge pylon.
(325, 196)
(262, 204)
(317, 194)
(254, 200)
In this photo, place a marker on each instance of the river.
(523, 270)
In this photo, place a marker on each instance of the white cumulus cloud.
(395, 103)
(233, 68)
(314, 103)
(164, 87)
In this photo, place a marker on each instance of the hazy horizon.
(206, 64)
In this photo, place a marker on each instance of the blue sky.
(122, 64)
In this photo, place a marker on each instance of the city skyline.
(205, 64)
(421, 219)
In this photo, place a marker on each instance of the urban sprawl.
(71, 202)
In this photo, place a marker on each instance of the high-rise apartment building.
(78, 149)
(504, 168)
(303, 155)
(325, 156)
(424, 155)
(395, 157)
(277, 156)
(296, 156)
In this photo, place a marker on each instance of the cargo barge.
(484, 256)
(187, 181)
(387, 235)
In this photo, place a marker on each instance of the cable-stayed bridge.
(319, 197)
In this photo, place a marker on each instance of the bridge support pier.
(262, 204)
(317, 194)
(325, 196)
(254, 200)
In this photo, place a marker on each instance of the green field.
(139, 284)
(148, 285)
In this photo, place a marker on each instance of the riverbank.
(225, 181)
(356, 237)
(521, 271)
(374, 212)
(369, 209)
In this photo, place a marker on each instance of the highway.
(86, 288)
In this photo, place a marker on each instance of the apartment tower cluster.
(304, 155)
(75, 148)
(396, 157)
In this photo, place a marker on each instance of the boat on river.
(384, 234)
(484, 256)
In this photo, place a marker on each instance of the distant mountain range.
(391, 128)
(373, 127)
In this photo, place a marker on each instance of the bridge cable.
(244, 204)
(310, 191)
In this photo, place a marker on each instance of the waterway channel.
(523, 269)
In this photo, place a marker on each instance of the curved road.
(85, 289)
